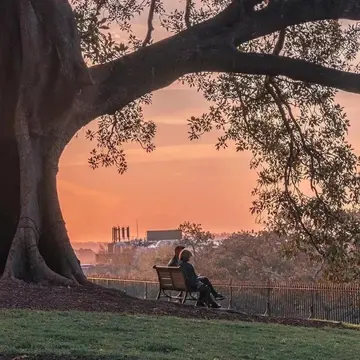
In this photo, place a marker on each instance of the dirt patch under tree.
(21, 295)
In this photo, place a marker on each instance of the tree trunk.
(40, 250)
(34, 245)
(41, 71)
(54, 242)
(9, 196)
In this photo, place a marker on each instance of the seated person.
(175, 261)
(193, 282)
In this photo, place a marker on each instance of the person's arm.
(191, 275)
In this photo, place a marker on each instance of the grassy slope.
(138, 337)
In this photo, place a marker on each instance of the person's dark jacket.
(174, 262)
(189, 275)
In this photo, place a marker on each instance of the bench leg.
(158, 295)
(184, 298)
(180, 296)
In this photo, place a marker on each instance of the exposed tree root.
(25, 261)
(56, 248)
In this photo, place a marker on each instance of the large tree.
(280, 63)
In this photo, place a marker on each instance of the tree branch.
(187, 13)
(277, 50)
(119, 82)
(244, 25)
(272, 65)
(295, 210)
(150, 27)
(280, 42)
(207, 47)
(188, 48)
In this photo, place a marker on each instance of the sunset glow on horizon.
(180, 181)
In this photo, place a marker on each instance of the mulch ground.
(21, 295)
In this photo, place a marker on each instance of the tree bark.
(41, 71)
(54, 242)
(38, 199)
(34, 244)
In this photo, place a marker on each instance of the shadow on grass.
(160, 348)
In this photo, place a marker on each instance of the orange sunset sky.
(180, 181)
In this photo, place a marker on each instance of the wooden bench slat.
(165, 276)
(166, 283)
(178, 280)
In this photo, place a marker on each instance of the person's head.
(185, 255)
(178, 250)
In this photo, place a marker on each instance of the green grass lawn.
(111, 336)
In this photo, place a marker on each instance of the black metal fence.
(298, 300)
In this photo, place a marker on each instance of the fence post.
(231, 305)
(268, 299)
(145, 290)
(311, 316)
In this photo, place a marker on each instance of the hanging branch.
(296, 212)
(276, 52)
(187, 13)
(150, 27)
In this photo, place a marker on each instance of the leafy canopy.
(308, 179)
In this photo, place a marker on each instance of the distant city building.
(154, 239)
(163, 235)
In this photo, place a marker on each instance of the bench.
(171, 278)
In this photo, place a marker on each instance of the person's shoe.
(215, 305)
(219, 296)
(200, 304)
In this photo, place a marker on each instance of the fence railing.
(337, 302)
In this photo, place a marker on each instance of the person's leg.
(201, 302)
(208, 283)
(204, 293)
(206, 297)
